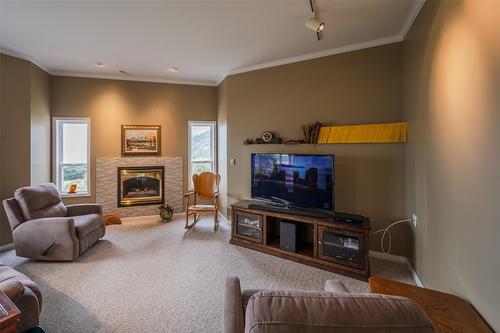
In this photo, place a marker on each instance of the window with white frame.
(201, 147)
(71, 139)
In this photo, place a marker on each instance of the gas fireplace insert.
(140, 185)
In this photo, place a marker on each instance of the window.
(71, 138)
(201, 147)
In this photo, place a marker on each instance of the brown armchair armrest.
(234, 318)
(34, 236)
(84, 209)
(13, 289)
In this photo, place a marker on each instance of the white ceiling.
(206, 40)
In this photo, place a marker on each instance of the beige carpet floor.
(145, 276)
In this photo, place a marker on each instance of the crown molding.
(23, 56)
(104, 76)
(134, 78)
(315, 55)
(343, 49)
(417, 6)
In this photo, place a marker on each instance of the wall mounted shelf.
(369, 133)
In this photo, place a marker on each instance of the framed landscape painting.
(141, 140)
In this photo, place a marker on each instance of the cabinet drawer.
(247, 226)
(341, 247)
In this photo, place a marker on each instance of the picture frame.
(139, 140)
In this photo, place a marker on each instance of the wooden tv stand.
(317, 239)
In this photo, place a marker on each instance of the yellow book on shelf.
(323, 134)
(371, 133)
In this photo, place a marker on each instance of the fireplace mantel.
(107, 183)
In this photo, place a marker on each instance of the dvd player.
(349, 218)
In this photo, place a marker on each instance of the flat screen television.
(299, 179)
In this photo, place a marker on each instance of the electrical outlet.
(414, 220)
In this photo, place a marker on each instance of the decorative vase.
(166, 212)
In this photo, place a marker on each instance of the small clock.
(267, 136)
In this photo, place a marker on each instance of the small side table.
(9, 315)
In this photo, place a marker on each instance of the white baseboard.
(398, 259)
(6, 247)
(415, 276)
(223, 218)
(390, 257)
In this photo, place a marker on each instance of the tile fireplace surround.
(107, 183)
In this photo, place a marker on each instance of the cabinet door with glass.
(341, 246)
(247, 226)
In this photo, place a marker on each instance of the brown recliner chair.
(24, 293)
(332, 310)
(43, 228)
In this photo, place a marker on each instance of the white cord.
(385, 231)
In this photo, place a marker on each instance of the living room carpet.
(145, 276)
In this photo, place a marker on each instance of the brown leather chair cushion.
(40, 201)
(309, 311)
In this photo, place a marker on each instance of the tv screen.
(303, 180)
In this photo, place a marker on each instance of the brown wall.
(112, 103)
(222, 144)
(351, 88)
(452, 102)
(15, 131)
(40, 126)
(24, 116)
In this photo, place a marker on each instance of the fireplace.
(138, 186)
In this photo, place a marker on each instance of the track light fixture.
(315, 24)
(312, 22)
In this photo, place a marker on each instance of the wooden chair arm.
(188, 193)
(216, 194)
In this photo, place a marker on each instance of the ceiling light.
(99, 64)
(173, 69)
(315, 24)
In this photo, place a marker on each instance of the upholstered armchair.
(43, 228)
(24, 293)
(332, 310)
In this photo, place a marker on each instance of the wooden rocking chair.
(206, 187)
